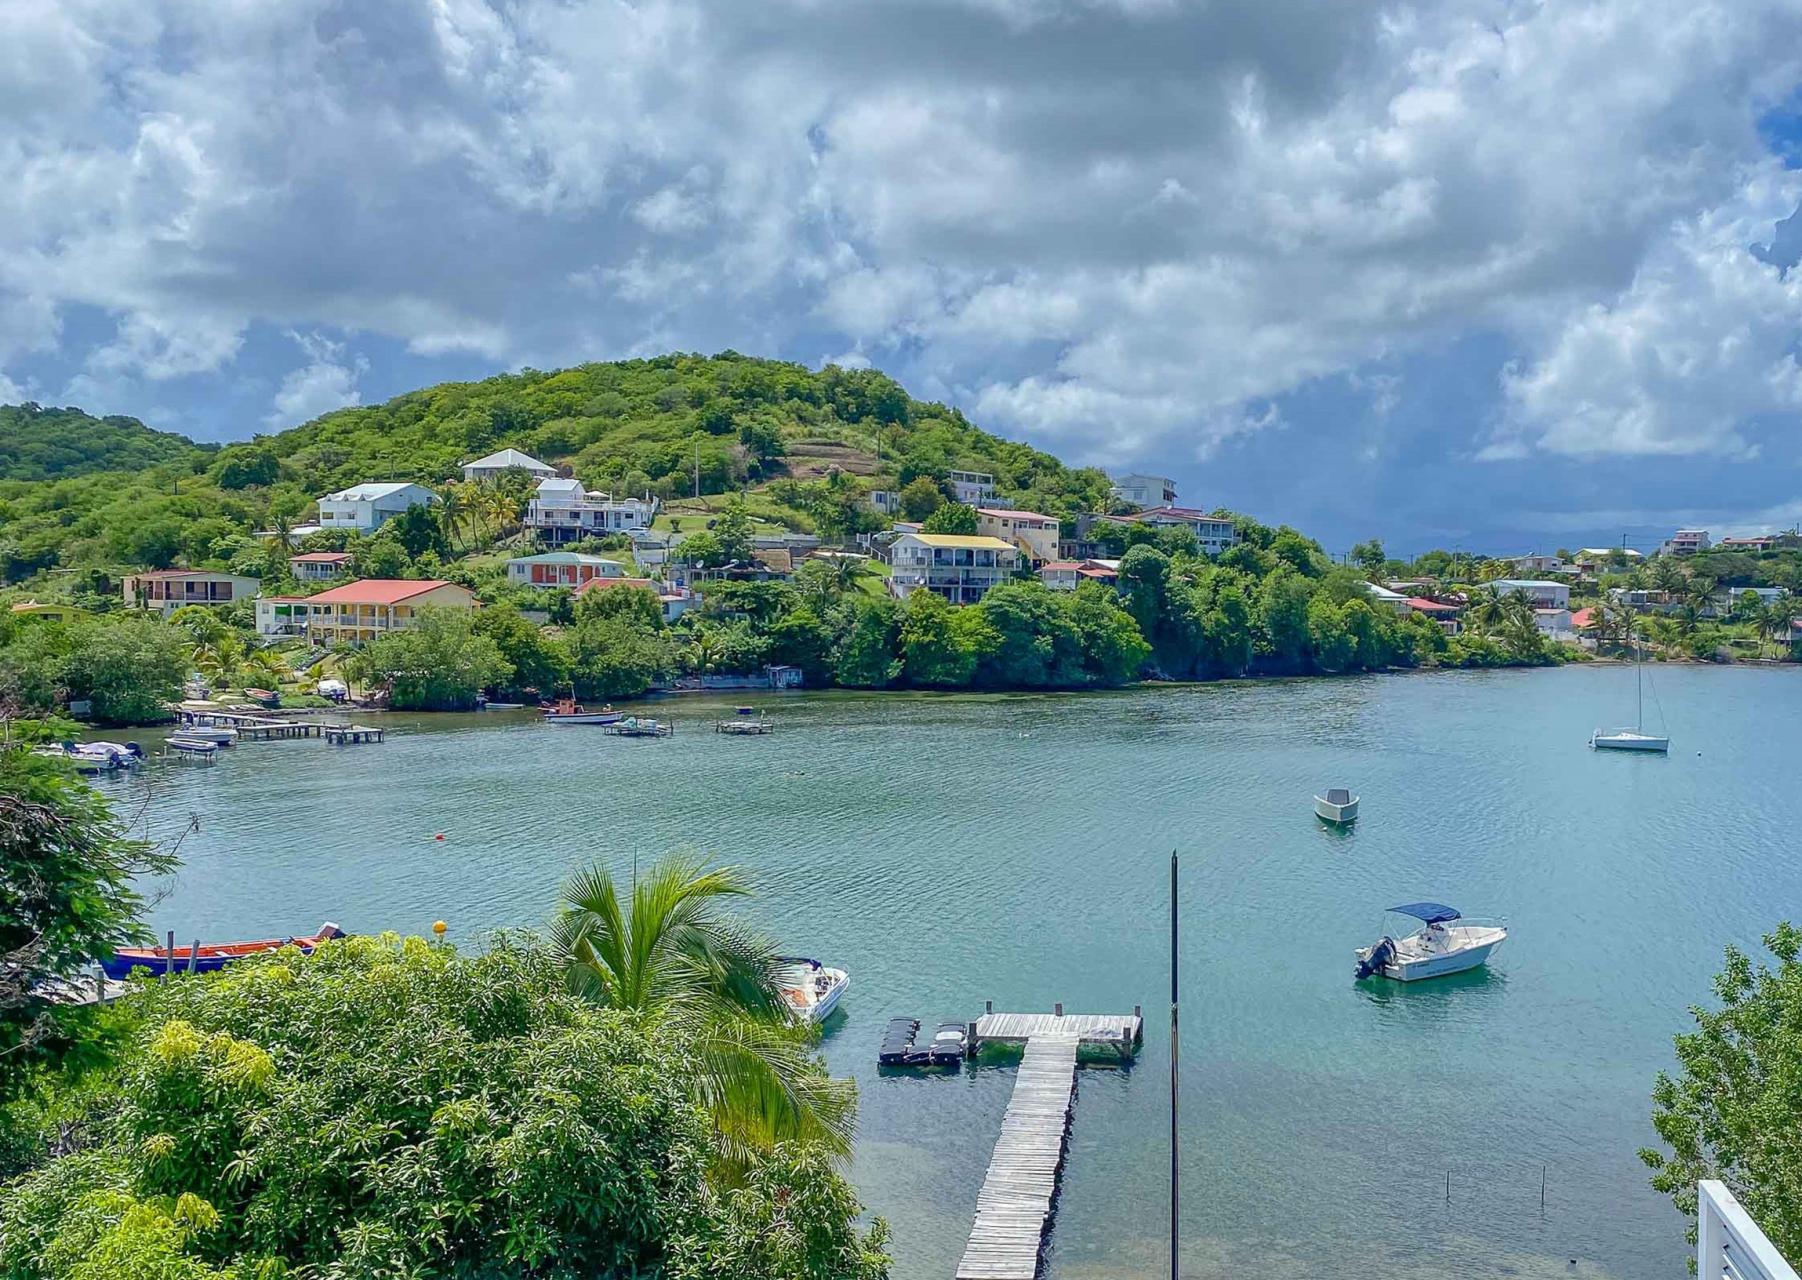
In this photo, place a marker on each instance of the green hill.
(49, 444)
(113, 494)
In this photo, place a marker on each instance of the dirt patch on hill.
(809, 460)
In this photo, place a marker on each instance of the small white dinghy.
(810, 988)
(1337, 805)
(1445, 943)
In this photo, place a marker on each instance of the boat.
(811, 990)
(569, 711)
(640, 727)
(183, 745)
(208, 957)
(219, 735)
(1444, 943)
(1636, 738)
(1337, 805)
(96, 757)
(898, 1042)
(745, 722)
(269, 699)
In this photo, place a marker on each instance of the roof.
(1065, 566)
(509, 458)
(188, 573)
(1089, 571)
(563, 557)
(555, 484)
(1514, 584)
(962, 542)
(370, 492)
(602, 584)
(1380, 592)
(44, 606)
(1003, 513)
(775, 559)
(1430, 912)
(1181, 513)
(380, 590)
(320, 557)
(1422, 605)
(1582, 618)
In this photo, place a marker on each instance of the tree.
(1039, 647)
(920, 497)
(1369, 556)
(241, 467)
(674, 955)
(538, 663)
(935, 651)
(418, 531)
(395, 1108)
(66, 895)
(1732, 1111)
(801, 638)
(867, 660)
(131, 668)
(953, 517)
(615, 657)
(733, 530)
(439, 663)
(1112, 647)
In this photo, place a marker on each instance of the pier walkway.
(1013, 1209)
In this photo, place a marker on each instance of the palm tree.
(675, 956)
(703, 652)
(452, 513)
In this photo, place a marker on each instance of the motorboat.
(811, 990)
(266, 698)
(1444, 943)
(97, 757)
(182, 745)
(219, 735)
(204, 958)
(641, 727)
(1337, 805)
(569, 711)
(1636, 738)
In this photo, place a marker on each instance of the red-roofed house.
(320, 566)
(1446, 615)
(361, 611)
(1067, 575)
(1033, 533)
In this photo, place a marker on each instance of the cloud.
(1132, 229)
(326, 382)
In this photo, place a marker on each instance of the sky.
(1503, 276)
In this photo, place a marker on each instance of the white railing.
(1729, 1245)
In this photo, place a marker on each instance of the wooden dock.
(1013, 1209)
(345, 734)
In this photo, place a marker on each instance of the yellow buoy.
(438, 927)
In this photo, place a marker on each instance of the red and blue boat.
(209, 956)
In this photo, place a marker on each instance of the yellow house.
(361, 611)
(49, 612)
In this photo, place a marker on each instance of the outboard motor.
(136, 751)
(1380, 955)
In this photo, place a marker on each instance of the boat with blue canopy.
(1446, 941)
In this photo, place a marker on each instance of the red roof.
(1430, 606)
(598, 584)
(1065, 565)
(321, 557)
(1104, 574)
(1582, 618)
(1005, 513)
(379, 590)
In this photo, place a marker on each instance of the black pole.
(1175, 1266)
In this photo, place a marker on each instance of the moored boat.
(1337, 805)
(569, 711)
(209, 957)
(810, 988)
(182, 745)
(640, 727)
(1446, 942)
(1636, 738)
(267, 698)
(219, 735)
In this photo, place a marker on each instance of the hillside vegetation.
(111, 494)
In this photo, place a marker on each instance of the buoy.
(438, 927)
(439, 836)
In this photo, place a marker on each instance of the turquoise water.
(948, 850)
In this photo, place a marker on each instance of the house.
(1539, 592)
(886, 501)
(674, 603)
(1446, 615)
(320, 566)
(1145, 491)
(364, 508)
(1538, 564)
(1395, 601)
(1599, 560)
(1685, 542)
(959, 567)
(498, 464)
(369, 608)
(282, 615)
(1727, 599)
(562, 511)
(49, 612)
(1555, 624)
(1033, 533)
(561, 569)
(169, 589)
(1067, 575)
(972, 487)
(1215, 533)
(1763, 542)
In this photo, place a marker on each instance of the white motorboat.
(98, 757)
(1636, 738)
(220, 735)
(810, 988)
(1337, 805)
(1445, 943)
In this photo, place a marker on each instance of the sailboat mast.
(1639, 683)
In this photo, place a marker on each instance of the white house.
(561, 569)
(282, 615)
(506, 460)
(961, 568)
(562, 511)
(167, 590)
(1539, 592)
(1538, 564)
(1394, 601)
(1215, 533)
(366, 507)
(319, 566)
(1033, 533)
(1555, 624)
(1145, 491)
(972, 487)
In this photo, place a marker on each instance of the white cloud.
(325, 382)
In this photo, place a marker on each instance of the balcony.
(1729, 1245)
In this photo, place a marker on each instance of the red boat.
(210, 956)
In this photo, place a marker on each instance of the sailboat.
(1636, 738)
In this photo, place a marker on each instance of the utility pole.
(697, 469)
(1175, 1264)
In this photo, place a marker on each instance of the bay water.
(948, 850)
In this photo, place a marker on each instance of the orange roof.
(1065, 565)
(1582, 618)
(379, 590)
(1424, 605)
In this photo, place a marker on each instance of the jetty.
(340, 735)
(1019, 1191)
